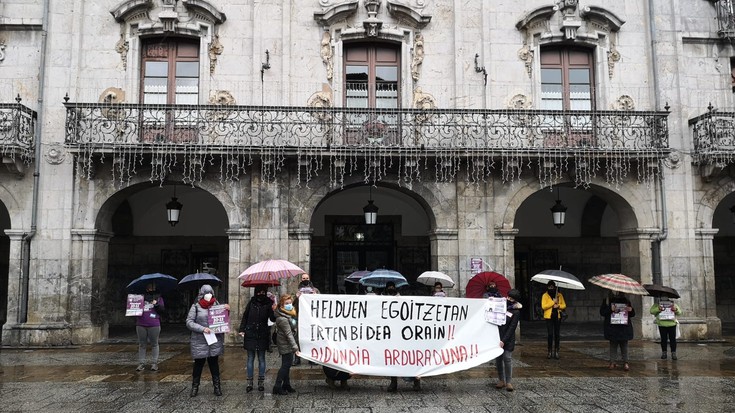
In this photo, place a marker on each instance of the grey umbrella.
(562, 279)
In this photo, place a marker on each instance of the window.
(566, 79)
(171, 72)
(371, 76)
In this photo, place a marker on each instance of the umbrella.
(164, 283)
(432, 277)
(476, 285)
(268, 272)
(658, 290)
(379, 278)
(356, 276)
(562, 279)
(199, 279)
(619, 282)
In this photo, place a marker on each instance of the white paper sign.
(211, 338)
(135, 305)
(495, 310)
(621, 317)
(396, 336)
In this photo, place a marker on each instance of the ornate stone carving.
(112, 95)
(409, 10)
(672, 161)
(372, 24)
(526, 55)
(327, 54)
(520, 101)
(590, 23)
(122, 46)
(157, 17)
(321, 99)
(2, 50)
(613, 56)
(423, 100)
(223, 98)
(334, 11)
(56, 154)
(215, 49)
(418, 56)
(624, 102)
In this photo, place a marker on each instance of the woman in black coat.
(504, 362)
(618, 327)
(254, 328)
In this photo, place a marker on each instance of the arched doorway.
(4, 262)
(723, 249)
(342, 242)
(144, 242)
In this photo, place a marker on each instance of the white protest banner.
(218, 319)
(396, 336)
(134, 306)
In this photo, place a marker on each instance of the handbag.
(564, 315)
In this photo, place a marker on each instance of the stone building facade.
(274, 122)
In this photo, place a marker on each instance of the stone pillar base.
(698, 329)
(89, 334)
(37, 335)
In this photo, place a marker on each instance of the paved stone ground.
(102, 378)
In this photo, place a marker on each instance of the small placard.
(135, 303)
(218, 319)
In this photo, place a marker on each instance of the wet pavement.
(102, 378)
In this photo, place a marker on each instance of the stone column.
(14, 286)
(505, 252)
(300, 251)
(704, 237)
(635, 262)
(87, 284)
(444, 257)
(239, 253)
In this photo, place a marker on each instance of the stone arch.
(711, 199)
(11, 203)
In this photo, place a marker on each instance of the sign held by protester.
(396, 336)
(218, 319)
(135, 303)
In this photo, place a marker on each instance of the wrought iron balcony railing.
(725, 18)
(17, 129)
(99, 128)
(714, 137)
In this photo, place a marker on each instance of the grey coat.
(286, 332)
(196, 321)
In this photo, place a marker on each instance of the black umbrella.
(198, 279)
(658, 290)
(164, 283)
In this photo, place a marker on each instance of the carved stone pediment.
(334, 11)
(168, 16)
(574, 22)
(409, 10)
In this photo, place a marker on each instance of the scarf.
(291, 313)
(206, 304)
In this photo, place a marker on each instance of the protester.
(148, 326)
(334, 375)
(504, 363)
(390, 289)
(618, 327)
(553, 304)
(287, 345)
(491, 290)
(201, 352)
(438, 290)
(369, 291)
(254, 328)
(305, 287)
(666, 311)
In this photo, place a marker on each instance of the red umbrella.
(476, 285)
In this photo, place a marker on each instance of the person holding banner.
(148, 326)
(254, 329)
(552, 303)
(206, 345)
(286, 322)
(618, 328)
(390, 289)
(507, 331)
(666, 311)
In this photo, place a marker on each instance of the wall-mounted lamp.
(480, 69)
(558, 211)
(265, 66)
(173, 209)
(370, 210)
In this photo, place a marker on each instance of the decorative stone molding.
(372, 24)
(215, 49)
(334, 11)
(223, 98)
(327, 54)
(112, 95)
(156, 17)
(672, 161)
(321, 99)
(2, 50)
(624, 103)
(122, 47)
(418, 56)
(423, 100)
(520, 101)
(613, 56)
(409, 10)
(587, 24)
(526, 56)
(56, 154)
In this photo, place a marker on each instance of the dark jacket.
(255, 324)
(286, 331)
(508, 330)
(617, 332)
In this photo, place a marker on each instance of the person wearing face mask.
(305, 287)
(148, 326)
(618, 327)
(507, 332)
(491, 290)
(552, 304)
(254, 329)
(286, 325)
(439, 290)
(201, 351)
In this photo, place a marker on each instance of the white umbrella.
(432, 277)
(562, 279)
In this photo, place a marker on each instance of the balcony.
(714, 141)
(17, 129)
(404, 137)
(725, 18)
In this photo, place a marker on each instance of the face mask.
(288, 307)
(208, 297)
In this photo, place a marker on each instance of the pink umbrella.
(269, 272)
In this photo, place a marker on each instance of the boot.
(217, 386)
(288, 388)
(261, 380)
(663, 355)
(250, 385)
(556, 354)
(673, 355)
(194, 387)
(343, 385)
(330, 383)
(416, 384)
(550, 355)
(393, 385)
(278, 389)
(500, 384)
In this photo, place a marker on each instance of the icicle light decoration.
(442, 145)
